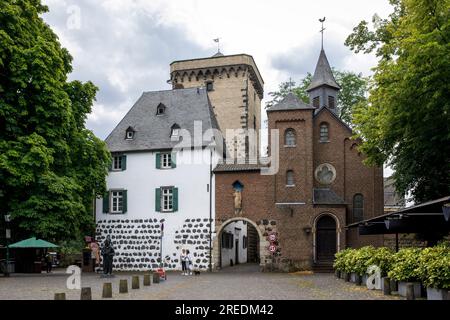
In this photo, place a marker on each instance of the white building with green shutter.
(151, 182)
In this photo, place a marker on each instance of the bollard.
(156, 277)
(386, 286)
(147, 281)
(60, 296)
(123, 286)
(107, 290)
(86, 294)
(410, 291)
(135, 282)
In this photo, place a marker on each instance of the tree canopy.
(406, 119)
(51, 166)
(353, 90)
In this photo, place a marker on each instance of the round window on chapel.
(325, 173)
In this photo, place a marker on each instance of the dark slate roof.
(224, 167)
(323, 74)
(326, 196)
(152, 132)
(290, 102)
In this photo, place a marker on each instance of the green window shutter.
(158, 160)
(106, 203)
(124, 203)
(158, 199)
(175, 199)
(173, 160)
(124, 162)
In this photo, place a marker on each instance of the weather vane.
(323, 29)
(218, 44)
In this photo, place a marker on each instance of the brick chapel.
(321, 185)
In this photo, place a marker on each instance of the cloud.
(124, 50)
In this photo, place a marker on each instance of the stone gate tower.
(235, 88)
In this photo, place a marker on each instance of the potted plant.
(404, 269)
(382, 258)
(360, 263)
(340, 262)
(434, 271)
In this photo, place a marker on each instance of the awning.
(427, 217)
(33, 243)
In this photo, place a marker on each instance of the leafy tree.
(51, 166)
(406, 120)
(353, 91)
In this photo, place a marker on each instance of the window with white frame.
(289, 137)
(117, 163)
(166, 160)
(167, 199)
(130, 135)
(116, 201)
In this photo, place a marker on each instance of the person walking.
(183, 262)
(49, 261)
(189, 265)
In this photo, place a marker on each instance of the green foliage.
(51, 166)
(405, 265)
(353, 91)
(341, 258)
(383, 258)
(434, 267)
(71, 247)
(406, 120)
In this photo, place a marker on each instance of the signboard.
(272, 248)
(8, 234)
(272, 237)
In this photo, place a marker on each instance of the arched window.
(289, 137)
(290, 178)
(358, 207)
(324, 132)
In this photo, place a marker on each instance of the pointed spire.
(323, 74)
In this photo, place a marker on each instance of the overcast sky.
(125, 47)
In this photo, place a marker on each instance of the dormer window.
(175, 132)
(316, 102)
(160, 110)
(129, 135)
(209, 86)
(331, 103)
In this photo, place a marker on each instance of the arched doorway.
(326, 239)
(239, 241)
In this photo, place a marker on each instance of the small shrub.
(405, 264)
(434, 267)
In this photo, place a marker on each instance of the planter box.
(402, 289)
(437, 294)
(364, 280)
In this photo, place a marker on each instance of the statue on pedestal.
(237, 201)
(107, 254)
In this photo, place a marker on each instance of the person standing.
(189, 265)
(183, 262)
(49, 262)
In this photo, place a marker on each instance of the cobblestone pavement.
(239, 282)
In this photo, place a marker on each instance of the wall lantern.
(446, 211)
(7, 218)
(307, 230)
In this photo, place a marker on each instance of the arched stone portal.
(326, 237)
(264, 256)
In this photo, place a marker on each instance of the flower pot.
(364, 279)
(346, 276)
(402, 289)
(353, 277)
(437, 294)
(337, 273)
(358, 280)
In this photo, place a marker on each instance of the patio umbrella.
(33, 243)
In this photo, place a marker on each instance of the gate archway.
(262, 243)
